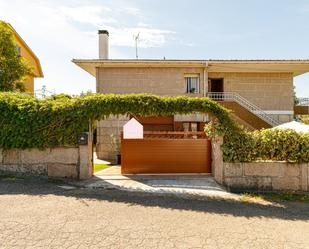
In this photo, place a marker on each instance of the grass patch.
(98, 167)
(276, 197)
(12, 177)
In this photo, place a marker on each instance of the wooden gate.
(166, 152)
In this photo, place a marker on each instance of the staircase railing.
(303, 101)
(232, 96)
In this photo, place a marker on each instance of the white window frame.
(188, 81)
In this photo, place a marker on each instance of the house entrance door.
(215, 85)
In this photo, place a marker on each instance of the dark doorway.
(215, 85)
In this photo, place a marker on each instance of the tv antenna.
(136, 39)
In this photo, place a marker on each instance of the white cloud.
(60, 25)
(121, 35)
(95, 15)
(46, 27)
(149, 37)
(58, 32)
(142, 24)
(132, 11)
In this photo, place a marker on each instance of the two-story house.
(259, 92)
(25, 51)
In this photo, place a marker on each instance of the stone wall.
(64, 162)
(268, 175)
(269, 91)
(160, 81)
(272, 92)
(108, 137)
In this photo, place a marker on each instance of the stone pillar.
(217, 159)
(86, 157)
(85, 162)
(304, 174)
(1, 156)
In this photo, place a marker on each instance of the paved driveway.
(37, 214)
(199, 185)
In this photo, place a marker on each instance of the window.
(192, 83)
(18, 49)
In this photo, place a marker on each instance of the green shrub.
(27, 122)
(305, 119)
(270, 144)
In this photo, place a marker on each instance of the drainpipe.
(205, 90)
(205, 71)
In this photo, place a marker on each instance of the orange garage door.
(154, 156)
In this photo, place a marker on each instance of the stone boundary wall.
(64, 162)
(258, 175)
(266, 176)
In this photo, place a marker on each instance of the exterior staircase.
(251, 115)
(242, 122)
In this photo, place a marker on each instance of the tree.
(305, 119)
(296, 100)
(89, 92)
(13, 68)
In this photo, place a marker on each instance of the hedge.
(269, 144)
(27, 122)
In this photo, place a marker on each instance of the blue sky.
(59, 31)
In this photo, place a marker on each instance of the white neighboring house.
(297, 126)
(133, 130)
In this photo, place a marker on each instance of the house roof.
(39, 71)
(297, 67)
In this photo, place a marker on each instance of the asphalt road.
(40, 214)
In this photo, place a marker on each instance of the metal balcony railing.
(232, 96)
(174, 134)
(303, 101)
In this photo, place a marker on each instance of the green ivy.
(269, 144)
(27, 122)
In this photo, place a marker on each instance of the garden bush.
(268, 144)
(27, 122)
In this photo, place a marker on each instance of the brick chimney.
(103, 44)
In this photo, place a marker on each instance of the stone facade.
(65, 162)
(270, 91)
(268, 175)
(108, 137)
(160, 81)
(217, 159)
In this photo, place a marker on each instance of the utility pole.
(136, 38)
(44, 91)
